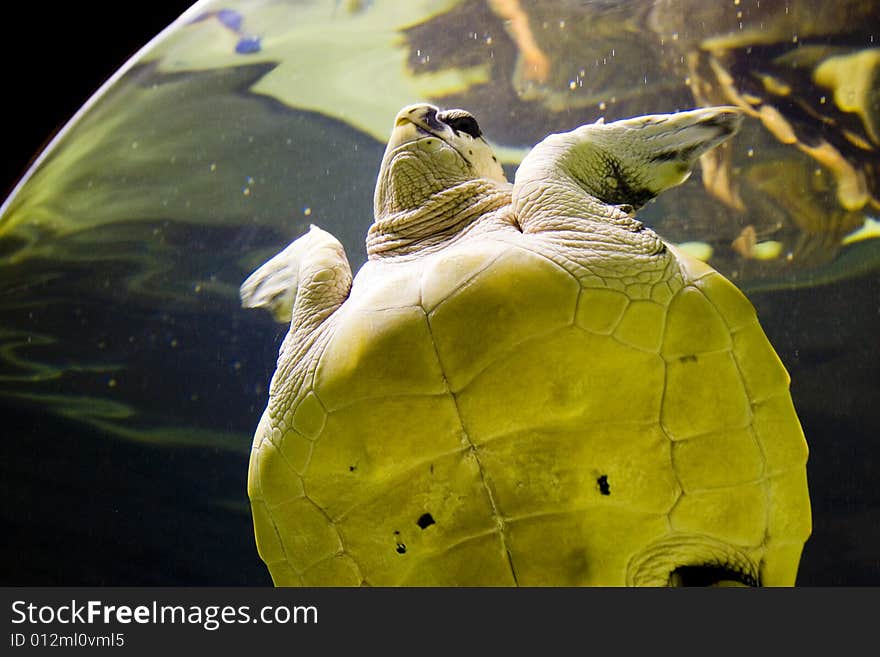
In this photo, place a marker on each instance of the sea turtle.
(524, 385)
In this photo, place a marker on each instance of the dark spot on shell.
(401, 548)
(352, 468)
(604, 488)
(425, 521)
(690, 358)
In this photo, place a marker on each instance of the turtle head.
(629, 162)
(431, 150)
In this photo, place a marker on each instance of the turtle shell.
(485, 416)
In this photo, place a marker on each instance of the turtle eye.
(461, 122)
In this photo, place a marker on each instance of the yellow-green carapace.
(524, 385)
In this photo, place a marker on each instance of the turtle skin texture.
(518, 407)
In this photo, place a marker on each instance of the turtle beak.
(422, 115)
(412, 123)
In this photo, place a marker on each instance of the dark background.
(54, 57)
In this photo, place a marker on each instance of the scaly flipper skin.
(525, 385)
(274, 285)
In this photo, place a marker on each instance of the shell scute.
(789, 518)
(730, 514)
(517, 297)
(309, 416)
(779, 434)
(642, 325)
(284, 575)
(268, 542)
(309, 535)
(590, 547)
(296, 451)
(693, 326)
(383, 286)
(789, 525)
(606, 465)
(779, 563)
(571, 374)
(382, 533)
(339, 569)
(600, 309)
(278, 481)
(375, 354)
(733, 306)
(442, 276)
(480, 561)
(718, 460)
(763, 373)
(704, 393)
(372, 442)
(661, 293)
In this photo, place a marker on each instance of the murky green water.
(130, 378)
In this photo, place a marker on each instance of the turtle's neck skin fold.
(557, 205)
(549, 198)
(600, 244)
(437, 220)
(554, 205)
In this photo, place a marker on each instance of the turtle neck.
(441, 217)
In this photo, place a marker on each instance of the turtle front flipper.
(307, 281)
(624, 163)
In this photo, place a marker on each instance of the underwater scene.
(133, 377)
